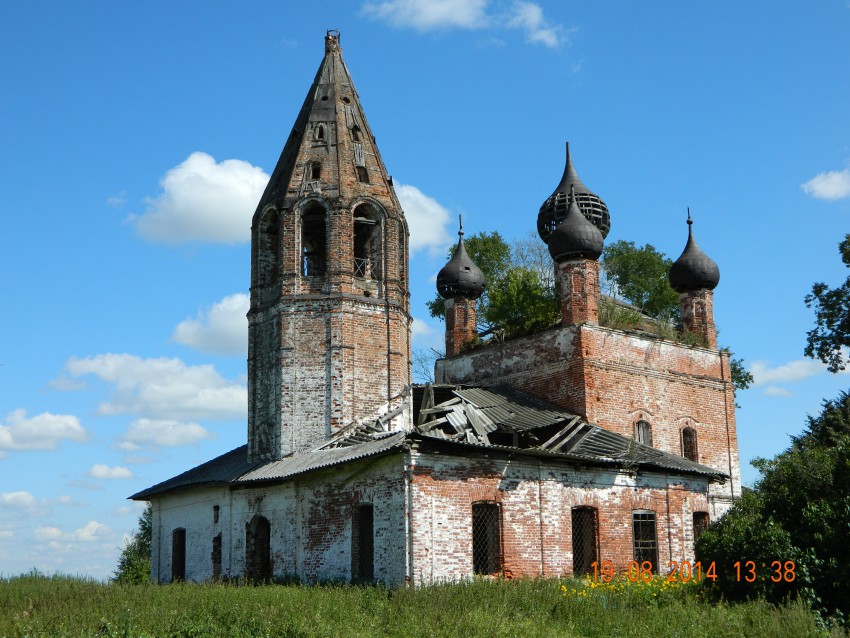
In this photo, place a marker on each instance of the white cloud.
(204, 201)
(101, 471)
(426, 15)
(430, 15)
(787, 372)
(528, 16)
(162, 433)
(91, 531)
(420, 328)
(44, 533)
(426, 219)
(223, 329)
(830, 185)
(17, 500)
(163, 388)
(776, 391)
(118, 200)
(41, 432)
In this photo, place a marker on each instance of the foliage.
(60, 606)
(639, 275)
(800, 511)
(134, 564)
(830, 337)
(519, 297)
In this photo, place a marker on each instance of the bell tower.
(329, 324)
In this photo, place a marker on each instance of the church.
(540, 455)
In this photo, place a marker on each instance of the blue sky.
(136, 139)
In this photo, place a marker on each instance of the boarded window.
(257, 550)
(486, 546)
(643, 433)
(645, 538)
(689, 444)
(362, 544)
(700, 524)
(216, 556)
(268, 255)
(585, 541)
(178, 555)
(313, 241)
(367, 242)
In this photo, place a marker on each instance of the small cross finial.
(460, 225)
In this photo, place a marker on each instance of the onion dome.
(693, 270)
(554, 209)
(575, 237)
(460, 277)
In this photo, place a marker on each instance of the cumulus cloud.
(430, 15)
(91, 531)
(163, 388)
(787, 372)
(41, 432)
(528, 16)
(162, 433)
(426, 15)
(426, 218)
(203, 200)
(830, 185)
(101, 471)
(17, 500)
(221, 329)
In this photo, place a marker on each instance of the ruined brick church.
(536, 456)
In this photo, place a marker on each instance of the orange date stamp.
(776, 571)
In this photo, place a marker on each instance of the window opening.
(700, 524)
(216, 556)
(585, 540)
(315, 170)
(362, 174)
(178, 555)
(269, 252)
(320, 129)
(216, 510)
(645, 540)
(643, 433)
(257, 549)
(402, 258)
(367, 243)
(355, 133)
(689, 444)
(362, 544)
(486, 555)
(313, 242)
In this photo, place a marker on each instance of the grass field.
(35, 605)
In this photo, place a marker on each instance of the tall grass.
(35, 605)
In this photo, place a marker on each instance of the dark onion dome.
(460, 277)
(575, 237)
(554, 209)
(693, 270)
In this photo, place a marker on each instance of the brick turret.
(329, 325)
(460, 282)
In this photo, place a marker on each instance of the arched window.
(313, 241)
(178, 555)
(367, 242)
(689, 444)
(258, 550)
(268, 254)
(486, 537)
(362, 544)
(643, 433)
(320, 132)
(585, 540)
(315, 170)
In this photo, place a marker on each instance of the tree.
(134, 564)
(830, 337)
(799, 511)
(639, 275)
